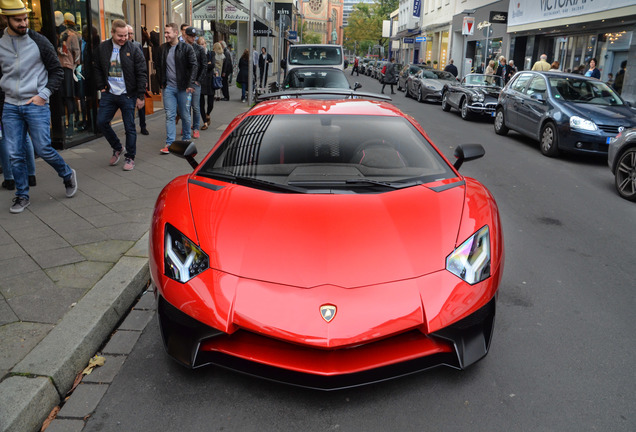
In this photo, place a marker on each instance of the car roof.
(299, 106)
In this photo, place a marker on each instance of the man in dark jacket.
(177, 73)
(120, 74)
(202, 62)
(30, 72)
(226, 73)
(141, 111)
(451, 68)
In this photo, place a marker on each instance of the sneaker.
(129, 165)
(19, 204)
(71, 184)
(8, 184)
(114, 159)
(32, 181)
(195, 134)
(165, 150)
(205, 126)
(144, 131)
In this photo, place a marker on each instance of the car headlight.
(582, 124)
(471, 260)
(478, 97)
(183, 259)
(430, 87)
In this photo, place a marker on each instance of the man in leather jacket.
(120, 74)
(177, 73)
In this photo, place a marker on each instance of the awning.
(260, 29)
(406, 33)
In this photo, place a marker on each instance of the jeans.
(108, 106)
(142, 117)
(173, 100)
(196, 107)
(6, 163)
(37, 119)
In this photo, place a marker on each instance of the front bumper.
(596, 142)
(194, 344)
(483, 108)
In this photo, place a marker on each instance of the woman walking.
(206, 86)
(243, 73)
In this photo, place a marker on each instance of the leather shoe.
(144, 131)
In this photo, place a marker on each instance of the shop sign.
(205, 12)
(482, 25)
(468, 28)
(417, 8)
(408, 40)
(534, 11)
(232, 13)
(498, 17)
(284, 9)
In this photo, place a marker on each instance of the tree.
(312, 38)
(364, 28)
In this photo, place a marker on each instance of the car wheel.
(625, 178)
(445, 106)
(500, 123)
(464, 109)
(549, 140)
(420, 97)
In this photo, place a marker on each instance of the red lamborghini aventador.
(327, 244)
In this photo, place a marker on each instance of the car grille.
(609, 129)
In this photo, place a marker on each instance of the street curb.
(54, 363)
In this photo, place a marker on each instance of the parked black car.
(427, 85)
(476, 94)
(312, 77)
(406, 72)
(563, 111)
(621, 157)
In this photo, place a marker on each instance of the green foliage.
(364, 28)
(312, 38)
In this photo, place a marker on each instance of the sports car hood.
(308, 240)
(488, 91)
(603, 114)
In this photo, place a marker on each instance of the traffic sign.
(420, 39)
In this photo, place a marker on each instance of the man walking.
(141, 112)
(451, 68)
(177, 71)
(542, 64)
(29, 73)
(356, 64)
(226, 73)
(120, 75)
(199, 53)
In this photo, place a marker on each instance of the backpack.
(384, 69)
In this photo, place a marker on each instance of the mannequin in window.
(68, 52)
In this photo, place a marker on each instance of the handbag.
(217, 83)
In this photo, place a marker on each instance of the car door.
(533, 106)
(513, 100)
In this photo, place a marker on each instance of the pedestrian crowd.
(188, 75)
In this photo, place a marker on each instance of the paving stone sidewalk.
(70, 269)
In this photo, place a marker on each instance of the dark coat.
(391, 76)
(185, 64)
(261, 60)
(243, 71)
(452, 69)
(206, 80)
(202, 61)
(133, 64)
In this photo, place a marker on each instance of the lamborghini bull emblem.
(328, 312)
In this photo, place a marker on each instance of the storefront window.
(443, 57)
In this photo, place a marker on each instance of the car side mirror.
(356, 86)
(186, 150)
(467, 152)
(537, 96)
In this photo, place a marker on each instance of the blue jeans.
(6, 163)
(37, 119)
(173, 100)
(108, 106)
(196, 107)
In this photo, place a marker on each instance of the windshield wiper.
(253, 181)
(392, 185)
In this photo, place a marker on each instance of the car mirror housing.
(467, 152)
(186, 150)
(357, 85)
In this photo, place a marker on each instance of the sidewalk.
(71, 268)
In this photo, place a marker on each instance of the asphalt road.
(562, 351)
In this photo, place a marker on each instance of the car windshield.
(326, 153)
(574, 89)
(315, 55)
(483, 80)
(322, 78)
(441, 75)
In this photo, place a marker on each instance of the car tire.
(463, 108)
(445, 105)
(625, 176)
(420, 97)
(549, 140)
(500, 123)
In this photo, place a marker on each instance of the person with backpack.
(390, 75)
(355, 67)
